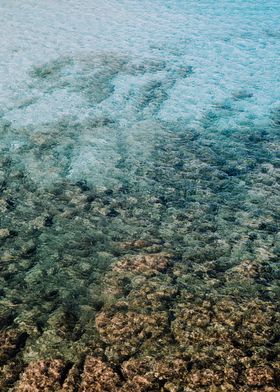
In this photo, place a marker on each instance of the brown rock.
(42, 376)
(137, 244)
(259, 376)
(9, 374)
(147, 373)
(10, 343)
(125, 332)
(98, 377)
(72, 380)
(137, 384)
(205, 377)
(150, 264)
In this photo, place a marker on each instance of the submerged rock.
(98, 376)
(124, 333)
(11, 342)
(149, 264)
(139, 257)
(41, 376)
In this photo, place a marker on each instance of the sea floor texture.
(139, 196)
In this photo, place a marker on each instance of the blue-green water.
(139, 180)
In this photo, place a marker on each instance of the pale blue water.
(127, 120)
(165, 62)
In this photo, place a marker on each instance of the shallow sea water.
(139, 195)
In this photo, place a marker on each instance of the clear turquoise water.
(123, 121)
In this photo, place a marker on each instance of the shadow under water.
(137, 254)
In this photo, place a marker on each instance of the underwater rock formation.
(152, 333)
(125, 332)
(41, 376)
(98, 376)
(147, 259)
(10, 343)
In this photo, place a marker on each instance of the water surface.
(139, 179)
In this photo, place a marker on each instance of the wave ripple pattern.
(139, 196)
